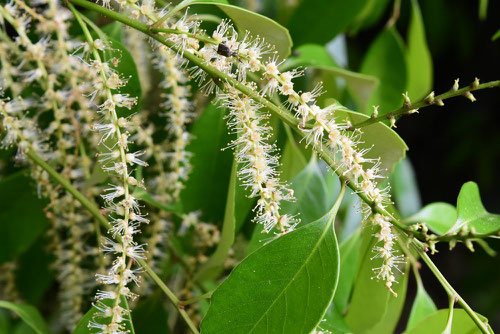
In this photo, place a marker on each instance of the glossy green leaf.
(314, 196)
(385, 60)
(404, 188)
(348, 266)
(421, 308)
(216, 261)
(319, 21)
(419, 57)
(259, 25)
(436, 323)
(292, 159)
(285, 286)
(28, 314)
(333, 321)
(382, 141)
(150, 316)
(373, 309)
(471, 212)
(439, 217)
(206, 188)
(361, 86)
(82, 326)
(22, 218)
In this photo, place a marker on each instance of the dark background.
(457, 143)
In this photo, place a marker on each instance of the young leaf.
(439, 217)
(361, 86)
(28, 314)
(285, 286)
(385, 60)
(372, 307)
(215, 263)
(22, 218)
(259, 25)
(306, 27)
(404, 188)
(419, 57)
(422, 307)
(436, 323)
(471, 212)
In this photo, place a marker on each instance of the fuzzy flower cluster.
(258, 170)
(235, 57)
(48, 65)
(122, 208)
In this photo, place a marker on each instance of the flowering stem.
(437, 100)
(94, 210)
(292, 121)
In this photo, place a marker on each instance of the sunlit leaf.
(436, 323)
(439, 217)
(284, 286)
(471, 212)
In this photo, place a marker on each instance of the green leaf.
(419, 57)
(404, 188)
(22, 218)
(373, 309)
(150, 316)
(439, 217)
(371, 14)
(82, 326)
(35, 262)
(385, 60)
(28, 314)
(292, 160)
(259, 25)
(127, 69)
(436, 323)
(383, 142)
(285, 286)
(215, 263)
(348, 263)
(361, 86)
(319, 21)
(471, 212)
(211, 165)
(422, 307)
(313, 198)
(333, 320)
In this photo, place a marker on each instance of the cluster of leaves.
(319, 276)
